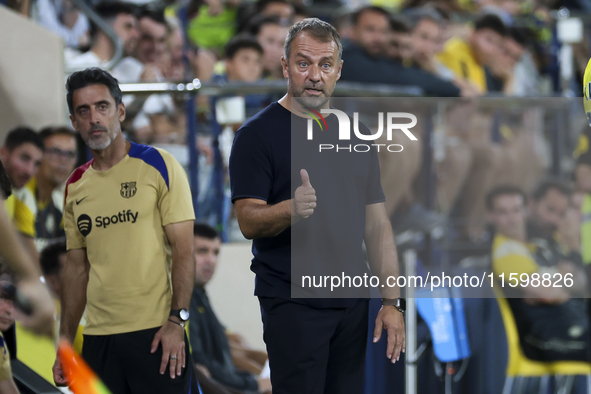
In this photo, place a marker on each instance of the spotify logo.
(84, 224)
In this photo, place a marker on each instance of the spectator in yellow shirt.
(21, 156)
(468, 58)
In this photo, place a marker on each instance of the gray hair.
(320, 30)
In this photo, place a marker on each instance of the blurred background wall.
(31, 74)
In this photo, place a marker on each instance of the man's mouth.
(95, 133)
(314, 92)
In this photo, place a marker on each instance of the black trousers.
(315, 350)
(125, 365)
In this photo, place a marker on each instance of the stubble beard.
(307, 101)
(102, 143)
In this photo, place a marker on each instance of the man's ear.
(121, 109)
(73, 121)
(284, 67)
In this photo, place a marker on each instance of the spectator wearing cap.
(469, 58)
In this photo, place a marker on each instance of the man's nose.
(94, 118)
(31, 169)
(314, 73)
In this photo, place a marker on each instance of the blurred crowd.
(447, 48)
(489, 165)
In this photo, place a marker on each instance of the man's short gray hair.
(320, 30)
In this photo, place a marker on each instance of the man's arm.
(257, 219)
(29, 243)
(383, 261)
(172, 335)
(28, 274)
(74, 281)
(8, 387)
(381, 249)
(180, 236)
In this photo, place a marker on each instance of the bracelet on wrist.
(182, 324)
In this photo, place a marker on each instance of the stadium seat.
(519, 367)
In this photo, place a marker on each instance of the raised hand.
(304, 200)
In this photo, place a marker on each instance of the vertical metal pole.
(218, 170)
(429, 176)
(191, 111)
(410, 265)
(558, 128)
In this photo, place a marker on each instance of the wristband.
(176, 322)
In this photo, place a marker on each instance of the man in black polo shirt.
(315, 345)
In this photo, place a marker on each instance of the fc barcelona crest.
(128, 189)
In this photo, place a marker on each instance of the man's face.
(6, 314)
(125, 26)
(371, 33)
(21, 163)
(426, 38)
(399, 46)
(206, 259)
(96, 117)
(271, 37)
(6, 309)
(487, 45)
(549, 211)
(508, 215)
(59, 158)
(312, 71)
(245, 66)
(152, 41)
(512, 51)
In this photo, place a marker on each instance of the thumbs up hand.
(304, 200)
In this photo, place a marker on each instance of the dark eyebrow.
(96, 103)
(82, 106)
